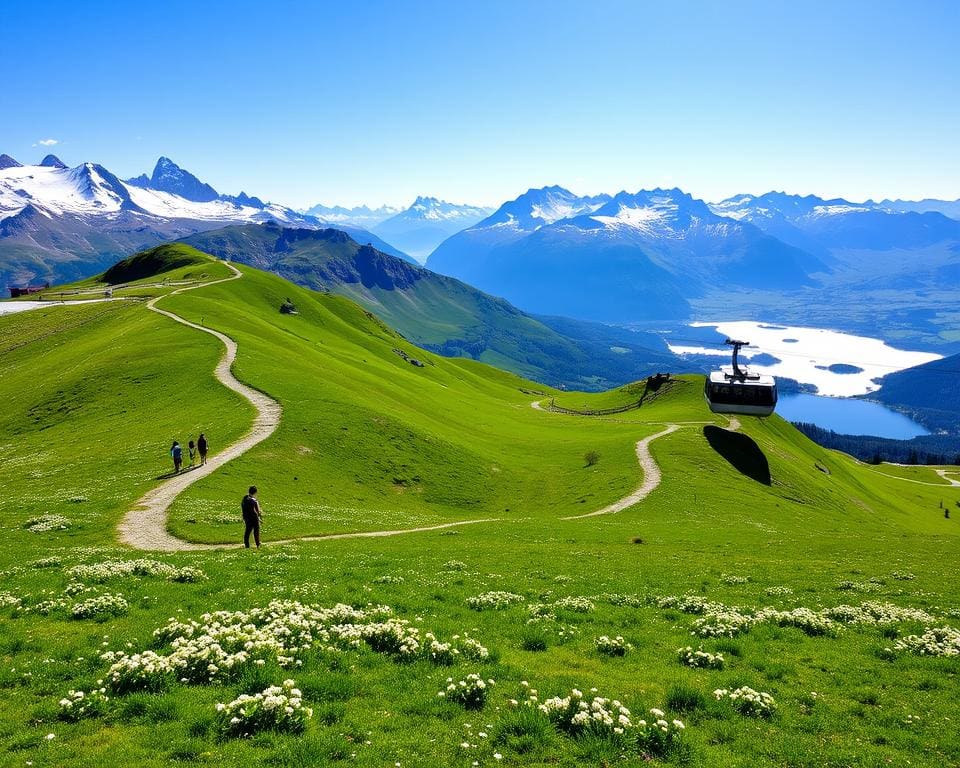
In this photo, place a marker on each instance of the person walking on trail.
(192, 450)
(176, 453)
(252, 517)
(202, 449)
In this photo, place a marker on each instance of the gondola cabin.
(751, 395)
(737, 390)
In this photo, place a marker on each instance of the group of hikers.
(249, 506)
(195, 449)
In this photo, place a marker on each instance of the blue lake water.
(849, 417)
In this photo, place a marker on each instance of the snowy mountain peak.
(170, 177)
(783, 207)
(8, 162)
(434, 209)
(52, 161)
(538, 207)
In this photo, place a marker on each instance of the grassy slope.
(438, 312)
(478, 448)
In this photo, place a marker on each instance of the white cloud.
(46, 142)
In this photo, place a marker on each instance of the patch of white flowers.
(388, 579)
(938, 641)
(733, 579)
(471, 692)
(748, 701)
(718, 620)
(874, 612)
(454, 565)
(111, 569)
(494, 600)
(459, 647)
(222, 643)
(277, 708)
(700, 658)
(811, 622)
(9, 600)
(722, 622)
(100, 606)
(46, 562)
(778, 591)
(78, 704)
(577, 714)
(612, 646)
(46, 523)
(695, 604)
(575, 603)
(903, 576)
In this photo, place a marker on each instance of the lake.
(837, 364)
(849, 417)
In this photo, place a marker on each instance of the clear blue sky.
(350, 102)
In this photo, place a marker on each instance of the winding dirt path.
(949, 481)
(651, 477)
(145, 526)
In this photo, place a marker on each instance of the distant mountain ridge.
(359, 216)
(627, 257)
(59, 223)
(949, 208)
(428, 222)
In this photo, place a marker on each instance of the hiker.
(202, 449)
(251, 517)
(192, 450)
(177, 453)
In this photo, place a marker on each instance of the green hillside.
(442, 314)
(851, 561)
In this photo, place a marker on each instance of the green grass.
(94, 395)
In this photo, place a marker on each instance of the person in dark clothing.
(192, 449)
(176, 453)
(252, 516)
(202, 449)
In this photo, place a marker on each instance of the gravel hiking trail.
(145, 526)
(651, 477)
(650, 468)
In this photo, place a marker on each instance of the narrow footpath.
(145, 526)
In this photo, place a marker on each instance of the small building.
(27, 290)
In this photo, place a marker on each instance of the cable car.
(737, 390)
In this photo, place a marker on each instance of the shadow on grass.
(168, 475)
(741, 451)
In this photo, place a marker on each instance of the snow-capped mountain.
(828, 226)
(170, 177)
(59, 223)
(626, 257)
(536, 208)
(360, 216)
(427, 223)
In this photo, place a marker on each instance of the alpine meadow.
(415, 384)
(760, 562)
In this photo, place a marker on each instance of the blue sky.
(305, 102)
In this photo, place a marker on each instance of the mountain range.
(416, 230)
(59, 223)
(627, 257)
(359, 216)
(662, 254)
(652, 255)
